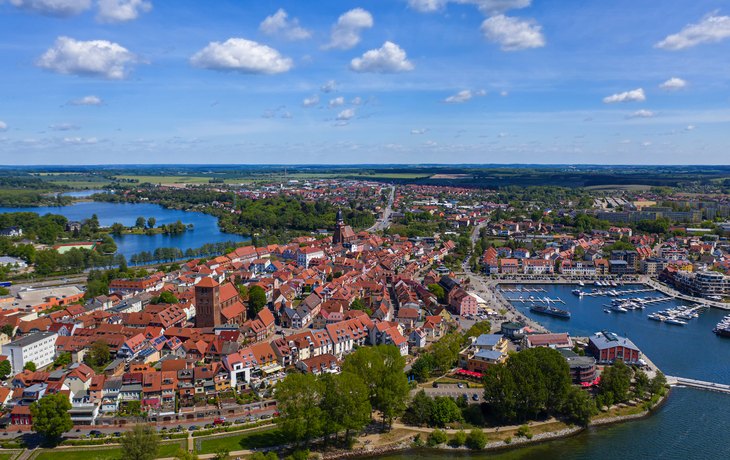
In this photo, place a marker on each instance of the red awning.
(465, 372)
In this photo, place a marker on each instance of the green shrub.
(523, 430)
(508, 441)
(437, 437)
(459, 439)
(529, 435)
(302, 454)
(476, 440)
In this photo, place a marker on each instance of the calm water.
(206, 227)
(692, 424)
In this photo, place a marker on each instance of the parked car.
(193, 428)
(240, 420)
(265, 416)
(475, 397)
(461, 385)
(94, 432)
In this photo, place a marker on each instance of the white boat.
(577, 292)
(656, 317)
(618, 308)
(675, 321)
(606, 310)
(581, 283)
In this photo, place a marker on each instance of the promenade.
(719, 387)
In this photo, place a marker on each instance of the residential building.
(40, 348)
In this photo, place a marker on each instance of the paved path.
(722, 388)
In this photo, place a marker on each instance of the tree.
(140, 443)
(117, 228)
(616, 380)
(256, 300)
(5, 369)
(30, 365)
(151, 222)
(183, 454)
(140, 222)
(641, 384)
(419, 409)
(298, 399)
(100, 352)
(459, 438)
(437, 437)
(51, 417)
(476, 440)
(165, 297)
(444, 410)
(579, 405)
(222, 454)
(657, 383)
(357, 305)
(437, 290)
(8, 330)
(355, 409)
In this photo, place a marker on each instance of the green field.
(6, 456)
(267, 438)
(90, 453)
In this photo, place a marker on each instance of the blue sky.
(390, 81)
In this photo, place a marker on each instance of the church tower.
(207, 303)
(339, 224)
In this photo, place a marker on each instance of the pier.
(532, 299)
(719, 387)
(620, 293)
(522, 289)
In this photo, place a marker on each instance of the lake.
(691, 424)
(205, 226)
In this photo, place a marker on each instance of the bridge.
(719, 387)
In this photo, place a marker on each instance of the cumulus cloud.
(513, 34)
(645, 144)
(94, 58)
(54, 8)
(419, 131)
(3, 126)
(243, 56)
(689, 128)
(277, 24)
(328, 87)
(79, 140)
(346, 32)
(111, 11)
(310, 101)
(336, 102)
(356, 101)
(711, 29)
(642, 114)
(625, 141)
(388, 59)
(488, 7)
(503, 135)
(461, 96)
(673, 84)
(636, 95)
(64, 127)
(346, 114)
(86, 100)
(287, 115)
(481, 92)
(269, 113)
(504, 93)
(430, 144)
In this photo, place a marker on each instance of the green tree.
(5, 369)
(357, 305)
(419, 409)
(117, 228)
(616, 380)
(140, 443)
(298, 399)
(459, 439)
(437, 437)
(151, 222)
(437, 290)
(140, 222)
(165, 297)
(476, 440)
(657, 383)
(30, 365)
(100, 352)
(641, 384)
(356, 408)
(8, 330)
(51, 417)
(256, 300)
(183, 454)
(579, 405)
(222, 454)
(444, 410)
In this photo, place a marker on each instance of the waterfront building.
(606, 347)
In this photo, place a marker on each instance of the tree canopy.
(51, 417)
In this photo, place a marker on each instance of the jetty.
(533, 299)
(719, 387)
(607, 292)
(524, 289)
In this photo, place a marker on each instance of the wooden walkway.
(719, 387)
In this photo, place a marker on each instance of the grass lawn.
(89, 453)
(5, 456)
(267, 438)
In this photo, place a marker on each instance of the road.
(384, 223)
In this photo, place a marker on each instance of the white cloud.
(79, 141)
(673, 83)
(241, 55)
(625, 141)
(642, 114)
(645, 144)
(346, 32)
(430, 144)
(328, 87)
(711, 29)
(86, 100)
(336, 102)
(503, 135)
(311, 101)
(689, 128)
(356, 101)
(94, 58)
(488, 7)
(3, 126)
(636, 95)
(287, 115)
(346, 114)
(481, 92)
(461, 96)
(504, 93)
(513, 34)
(64, 127)
(54, 8)
(277, 23)
(388, 59)
(111, 11)
(419, 131)
(341, 123)
(269, 113)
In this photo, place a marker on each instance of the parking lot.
(453, 391)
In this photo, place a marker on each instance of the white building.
(304, 255)
(39, 348)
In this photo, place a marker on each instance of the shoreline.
(502, 445)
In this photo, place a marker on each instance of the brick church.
(343, 233)
(217, 304)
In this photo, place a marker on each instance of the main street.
(382, 224)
